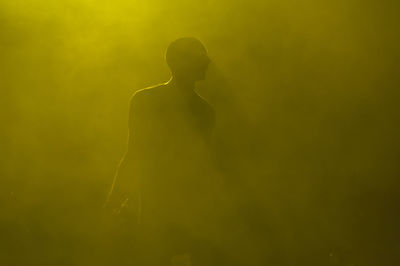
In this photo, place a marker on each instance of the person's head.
(187, 58)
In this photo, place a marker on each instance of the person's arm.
(124, 196)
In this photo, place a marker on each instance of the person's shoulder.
(149, 91)
(147, 95)
(209, 108)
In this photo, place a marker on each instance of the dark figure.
(165, 184)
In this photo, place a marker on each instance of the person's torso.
(177, 183)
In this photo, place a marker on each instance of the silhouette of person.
(165, 181)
